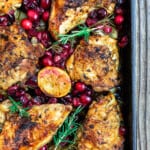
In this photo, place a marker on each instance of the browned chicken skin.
(101, 126)
(18, 56)
(95, 63)
(7, 5)
(67, 14)
(33, 132)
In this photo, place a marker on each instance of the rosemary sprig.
(84, 31)
(69, 128)
(16, 107)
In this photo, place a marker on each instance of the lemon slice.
(54, 81)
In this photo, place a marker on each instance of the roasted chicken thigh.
(67, 14)
(33, 132)
(101, 126)
(95, 63)
(7, 5)
(18, 56)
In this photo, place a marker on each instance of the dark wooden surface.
(142, 56)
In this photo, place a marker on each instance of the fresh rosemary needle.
(16, 107)
(69, 128)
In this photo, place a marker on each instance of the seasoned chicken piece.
(7, 5)
(34, 132)
(95, 63)
(67, 14)
(18, 56)
(101, 126)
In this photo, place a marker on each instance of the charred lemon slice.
(54, 81)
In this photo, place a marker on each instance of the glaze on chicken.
(101, 126)
(67, 14)
(18, 56)
(95, 63)
(33, 132)
(8, 5)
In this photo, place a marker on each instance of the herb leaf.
(69, 127)
(16, 107)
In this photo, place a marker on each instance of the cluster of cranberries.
(55, 58)
(37, 19)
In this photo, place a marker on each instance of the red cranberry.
(1, 98)
(44, 148)
(26, 24)
(24, 99)
(52, 100)
(44, 38)
(85, 99)
(31, 82)
(38, 92)
(67, 47)
(12, 90)
(93, 14)
(19, 93)
(45, 4)
(4, 20)
(65, 53)
(32, 14)
(46, 61)
(122, 131)
(119, 11)
(79, 86)
(100, 27)
(45, 16)
(76, 102)
(37, 100)
(90, 21)
(101, 13)
(30, 4)
(107, 29)
(57, 58)
(49, 54)
(123, 42)
(119, 19)
(40, 10)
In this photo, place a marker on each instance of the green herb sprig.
(16, 107)
(84, 31)
(69, 128)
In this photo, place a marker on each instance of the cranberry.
(1, 98)
(67, 47)
(4, 20)
(57, 58)
(44, 148)
(85, 99)
(52, 100)
(40, 10)
(65, 53)
(30, 4)
(44, 38)
(88, 92)
(100, 27)
(123, 42)
(107, 29)
(119, 19)
(79, 86)
(37, 100)
(90, 21)
(32, 33)
(46, 61)
(26, 24)
(122, 131)
(45, 16)
(49, 54)
(93, 14)
(45, 4)
(32, 14)
(12, 90)
(32, 82)
(101, 13)
(19, 93)
(119, 11)
(76, 102)
(38, 92)
(24, 99)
